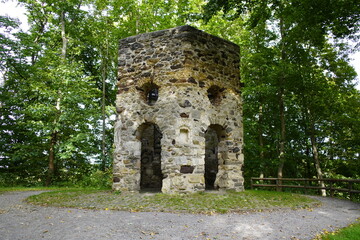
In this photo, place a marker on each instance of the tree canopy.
(301, 106)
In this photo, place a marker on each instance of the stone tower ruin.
(179, 125)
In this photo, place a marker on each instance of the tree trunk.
(104, 66)
(282, 137)
(331, 143)
(281, 107)
(316, 159)
(103, 140)
(308, 167)
(63, 37)
(51, 159)
(261, 141)
(55, 132)
(137, 21)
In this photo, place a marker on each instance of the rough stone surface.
(185, 84)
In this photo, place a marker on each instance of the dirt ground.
(19, 220)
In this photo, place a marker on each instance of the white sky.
(11, 9)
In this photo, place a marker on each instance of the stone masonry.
(179, 125)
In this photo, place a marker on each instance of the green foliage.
(97, 179)
(313, 19)
(294, 77)
(60, 75)
(58, 78)
(73, 178)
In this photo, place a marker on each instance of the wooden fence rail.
(329, 184)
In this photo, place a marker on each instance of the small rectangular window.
(184, 135)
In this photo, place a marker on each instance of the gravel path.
(19, 220)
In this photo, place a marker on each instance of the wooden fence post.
(350, 190)
(331, 188)
(278, 183)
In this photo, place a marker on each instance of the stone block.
(196, 178)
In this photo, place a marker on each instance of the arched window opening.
(215, 95)
(150, 93)
(213, 136)
(152, 96)
(151, 174)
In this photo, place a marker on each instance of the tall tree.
(298, 25)
(60, 100)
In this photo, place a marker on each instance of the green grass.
(12, 189)
(351, 232)
(207, 203)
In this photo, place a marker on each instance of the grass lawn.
(203, 202)
(12, 189)
(351, 232)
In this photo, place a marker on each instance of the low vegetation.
(12, 189)
(204, 202)
(349, 233)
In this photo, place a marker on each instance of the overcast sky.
(10, 8)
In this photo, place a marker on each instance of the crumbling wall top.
(177, 56)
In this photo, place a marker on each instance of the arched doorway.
(151, 174)
(213, 136)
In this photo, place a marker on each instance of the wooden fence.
(306, 183)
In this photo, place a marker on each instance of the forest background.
(301, 108)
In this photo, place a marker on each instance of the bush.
(16, 180)
(97, 179)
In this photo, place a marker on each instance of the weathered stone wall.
(182, 81)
